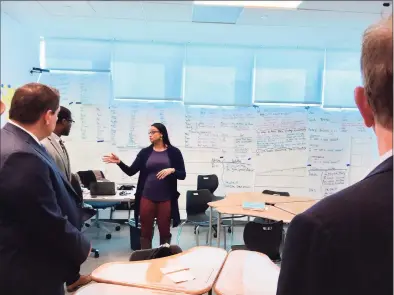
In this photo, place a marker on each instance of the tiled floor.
(118, 247)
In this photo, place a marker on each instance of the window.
(218, 76)
(147, 71)
(342, 75)
(288, 76)
(77, 55)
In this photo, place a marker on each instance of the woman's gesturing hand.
(111, 159)
(165, 172)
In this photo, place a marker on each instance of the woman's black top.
(139, 165)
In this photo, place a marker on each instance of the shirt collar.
(382, 158)
(28, 132)
(386, 155)
(56, 137)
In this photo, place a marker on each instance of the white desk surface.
(247, 273)
(109, 289)
(271, 212)
(236, 199)
(205, 264)
(116, 198)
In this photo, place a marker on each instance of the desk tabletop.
(271, 212)
(296, 207)
(247, 273)
(108, 289)
(119, 197)
(236, 199)
(205, 264)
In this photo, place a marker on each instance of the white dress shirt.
(28, 132)
(382, 158)
(58, 139)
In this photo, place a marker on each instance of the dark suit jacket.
(343, 244)
(40, 241)
(139, 165)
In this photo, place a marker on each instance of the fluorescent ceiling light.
(260, 4)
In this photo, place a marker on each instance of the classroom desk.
(109, 289)
(236, 199)
(296, 207)
(116, 198)
(247, 273)
(271, 212)
(205, 264)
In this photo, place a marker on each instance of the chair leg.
(197, 235)
(97, 224)
(225, 238)
(180, 231)
(111, 210)
(232, 230)
(96, 252)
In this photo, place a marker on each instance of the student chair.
(196, 207)
(276, 193)
(87, 177)
(265, 238)
(147, 254)
(87, 214)
(209, 182)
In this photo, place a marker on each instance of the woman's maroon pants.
(149, 210)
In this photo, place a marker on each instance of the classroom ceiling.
(43, 17)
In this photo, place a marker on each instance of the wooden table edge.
(260, 254)
(161, 287)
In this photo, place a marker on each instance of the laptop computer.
(105, 188)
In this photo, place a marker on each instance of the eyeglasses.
(70, 120)
(152, 132)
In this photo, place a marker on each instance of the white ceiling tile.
(68, 8)
(350, 6)
(117, 9)
(305, 18)
(180, 2)
(167, 12)
(23, 11)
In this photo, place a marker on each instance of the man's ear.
(47, 116)
(363, 106)
(2, 107)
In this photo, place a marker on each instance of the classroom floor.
(118, 247)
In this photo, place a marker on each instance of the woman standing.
(160, 166)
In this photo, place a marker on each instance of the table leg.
(218, 228)
(210, 226)
(232, 229)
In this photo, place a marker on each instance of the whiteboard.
(307, 152)
(250, 149)
(88, 88)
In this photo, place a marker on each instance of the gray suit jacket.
(60, 157)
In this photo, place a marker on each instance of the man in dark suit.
(55, 144)
(344, 244)
(40, 242)
(58, 152)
